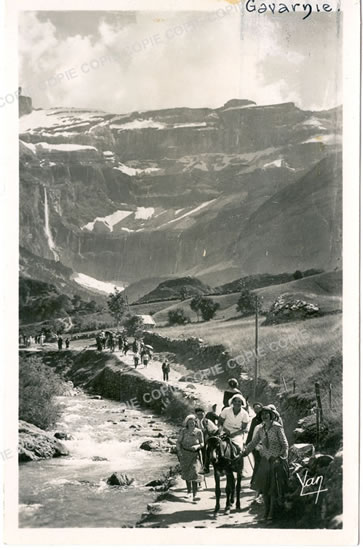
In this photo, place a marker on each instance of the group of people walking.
(60, 342)
(39, 339)
(266, 440)
(142, 353)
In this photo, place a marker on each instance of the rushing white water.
(72, 491)
(48, 233)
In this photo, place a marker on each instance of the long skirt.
(190, 465)
(271, 479)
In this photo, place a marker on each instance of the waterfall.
(48, 233)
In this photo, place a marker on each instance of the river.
(72, 491)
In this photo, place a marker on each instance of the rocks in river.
(118, 478)
(155, 483)
(150, 445)
(63, 435)
(99, 459)
(158, 444)
(36, 444)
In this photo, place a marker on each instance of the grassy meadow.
(297, 350)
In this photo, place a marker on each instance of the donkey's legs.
(229, 490)
(217, 479)
(238, 490)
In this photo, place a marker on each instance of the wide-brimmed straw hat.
(272, 411)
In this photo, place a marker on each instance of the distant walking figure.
(166, 369)
(136, 359)
(230, 392)
(67, 343)
(111, 342)
(60, 343)
(135, 346)
(99, 343)
(42, 339)
(145, 356)
(120, 342)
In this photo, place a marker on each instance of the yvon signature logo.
(311, 485)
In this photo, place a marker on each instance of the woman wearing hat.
(234, 419)
(231, 391)
(189, 444)
(272, 473)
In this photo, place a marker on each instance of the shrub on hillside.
(38, 386)
(178, 317)
(246, 304)
(298, 275)
(208, 308)
(204, 306)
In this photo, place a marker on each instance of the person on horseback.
(233, 422)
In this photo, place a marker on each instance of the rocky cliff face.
(215, 193)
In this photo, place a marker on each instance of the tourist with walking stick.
(272, 473)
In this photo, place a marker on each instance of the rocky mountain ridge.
(211, 193)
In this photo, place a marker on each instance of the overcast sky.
(160, 60)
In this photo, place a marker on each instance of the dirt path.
(177, 510)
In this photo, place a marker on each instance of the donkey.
(220, 453)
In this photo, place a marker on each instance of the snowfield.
(203, 205)
(139, 124)
(134, 171)
(57, 118)
(65, 146)
(109, 220)
(143, 213)
(94, 284)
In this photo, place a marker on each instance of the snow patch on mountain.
(134, 171)
(190, 125)
(143, 213)
(109, 221)
(59, 119)
(326, 139)
(278, 163)
(104, 287)
(193, 211)
(30, 146)
(139, 124)
(314, 122)
(64, 146)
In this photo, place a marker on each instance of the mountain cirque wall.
(204, 192)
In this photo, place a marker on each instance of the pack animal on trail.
(224, 458)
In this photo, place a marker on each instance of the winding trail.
(177, 510)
